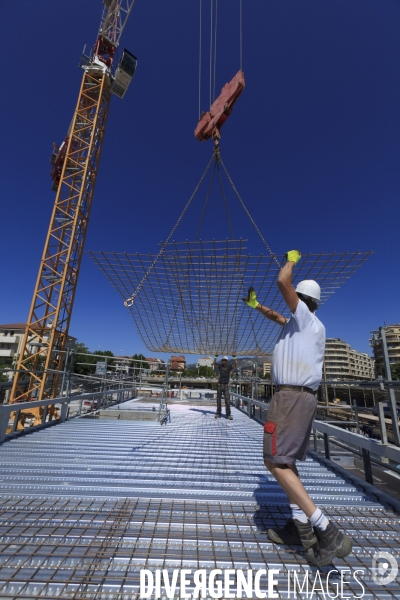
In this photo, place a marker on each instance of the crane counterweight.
(124, 74)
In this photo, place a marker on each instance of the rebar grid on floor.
(191, 302)
(83, 550)
(104, 500)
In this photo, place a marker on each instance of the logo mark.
(384, 568)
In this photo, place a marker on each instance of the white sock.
(298, 514)
(319, 520)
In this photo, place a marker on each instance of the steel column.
(326, 446)
(4, 418)
(63, 412)
(382, 423)
(367, 466)
(392, 397)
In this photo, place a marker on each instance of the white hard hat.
(310, 288)
(224, 358)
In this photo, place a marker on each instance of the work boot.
(331, 543)
(294, 533)
(230, 417)
(217, 416)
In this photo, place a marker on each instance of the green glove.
(216, 356)
(251, 299)
(293, 256)
(234, 356)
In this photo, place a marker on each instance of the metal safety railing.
(372, 451)
(383, 397)
(22, 417)
(253, 408)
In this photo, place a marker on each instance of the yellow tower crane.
(74, 170)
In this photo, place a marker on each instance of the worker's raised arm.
(285, 280)
(270, 314)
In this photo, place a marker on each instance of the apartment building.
(343, 362)
(122, 364)
(205, 361)
(267, 367)
(11, 338)
(178, 363)
(154, 363)
(393, 345)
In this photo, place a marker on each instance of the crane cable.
(225, 201)
(218, 170)
(241, 34)
(206, 202)
(213, 46)
(200, 62)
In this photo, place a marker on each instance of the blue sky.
(312, 144)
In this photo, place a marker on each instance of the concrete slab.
(129, 415)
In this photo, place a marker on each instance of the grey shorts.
(287, 431)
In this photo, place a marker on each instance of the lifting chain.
(129, 301)
(206, 202)
(218, 160)
(273, 256)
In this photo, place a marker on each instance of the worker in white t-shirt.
(297, 371)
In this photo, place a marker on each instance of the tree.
(139, 361)
(3, 376)
(85, 361)
(395, 369)
(202, 372)
(9, 363)
(206, 372)
(81, 352)
(189, 373)
(105, 353)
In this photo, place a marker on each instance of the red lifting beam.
(212, 121)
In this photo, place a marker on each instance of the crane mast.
(75, 166)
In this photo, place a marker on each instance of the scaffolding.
(191, 301)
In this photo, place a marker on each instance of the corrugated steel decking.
(104, 499)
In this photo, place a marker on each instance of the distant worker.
(297, 372)
(223, 384)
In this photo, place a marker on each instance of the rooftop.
(13, 326)
(22, 326)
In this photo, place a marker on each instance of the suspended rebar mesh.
(191, 302)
